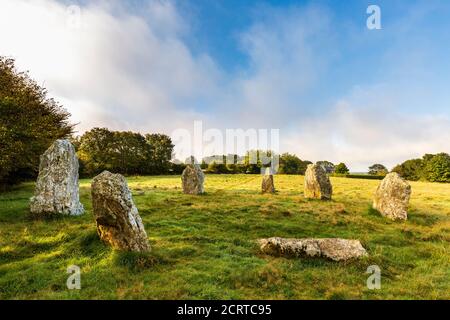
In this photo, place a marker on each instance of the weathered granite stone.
(332, 248)
(392, 197)
(192, 179)
(57, 191)
(267, 184)
(317, 183)
(117, 218)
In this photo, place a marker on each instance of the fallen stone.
(392, 197)
(117, 218)
(331, 248)
(317, 183)
(57, 190)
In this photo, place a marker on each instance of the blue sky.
(312, 69)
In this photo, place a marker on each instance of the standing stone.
(57, 190)
(317, 183)
(192, 179)
(267, 184)
(392, 197)
(117, 218)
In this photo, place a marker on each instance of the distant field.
(203, 246)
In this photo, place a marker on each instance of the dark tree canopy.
(341, 168)
(29, 123)
(291, 164)
(410, 169)
(378, 170)
(124, 152)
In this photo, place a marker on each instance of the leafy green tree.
(437, 168)
(122, 152)
(162, 150)
(410, 169)
(95, 151)
(291, 164)
(30, 122)
(341, 168)
(378, 170)
(131, 154)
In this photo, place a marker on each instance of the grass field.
(203, 246)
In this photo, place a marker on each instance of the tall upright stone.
(267, 185)
(117, 218)
(192, 179)
(317, 183)
(57, 190)
(392, 197)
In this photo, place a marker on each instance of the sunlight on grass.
(203, 247)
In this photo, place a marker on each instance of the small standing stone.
(192, 179)
(392, 197)
(317, 183)
(267, 184)
(117, 218)
(332, 248)
(57, 191)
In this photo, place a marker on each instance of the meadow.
(203, 247)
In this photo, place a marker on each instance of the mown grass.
(203, 246)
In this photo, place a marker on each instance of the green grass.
(203, 246)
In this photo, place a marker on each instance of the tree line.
(125, 152)
(431, 167)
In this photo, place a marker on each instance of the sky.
(336, 90)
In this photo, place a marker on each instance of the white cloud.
(134, 71)
(114, 69)
(364, 128)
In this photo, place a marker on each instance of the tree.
(410, 169)
(378, 170)
(437, 168)
(122, 152)
(291, 164)
(30, 122)
(341, 168)
(327, 166)
(131, 154)
(162, 149)
(95, 151)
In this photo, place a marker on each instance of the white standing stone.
(57, 190)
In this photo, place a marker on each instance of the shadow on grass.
(138, 261)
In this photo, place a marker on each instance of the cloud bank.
(115, 67)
